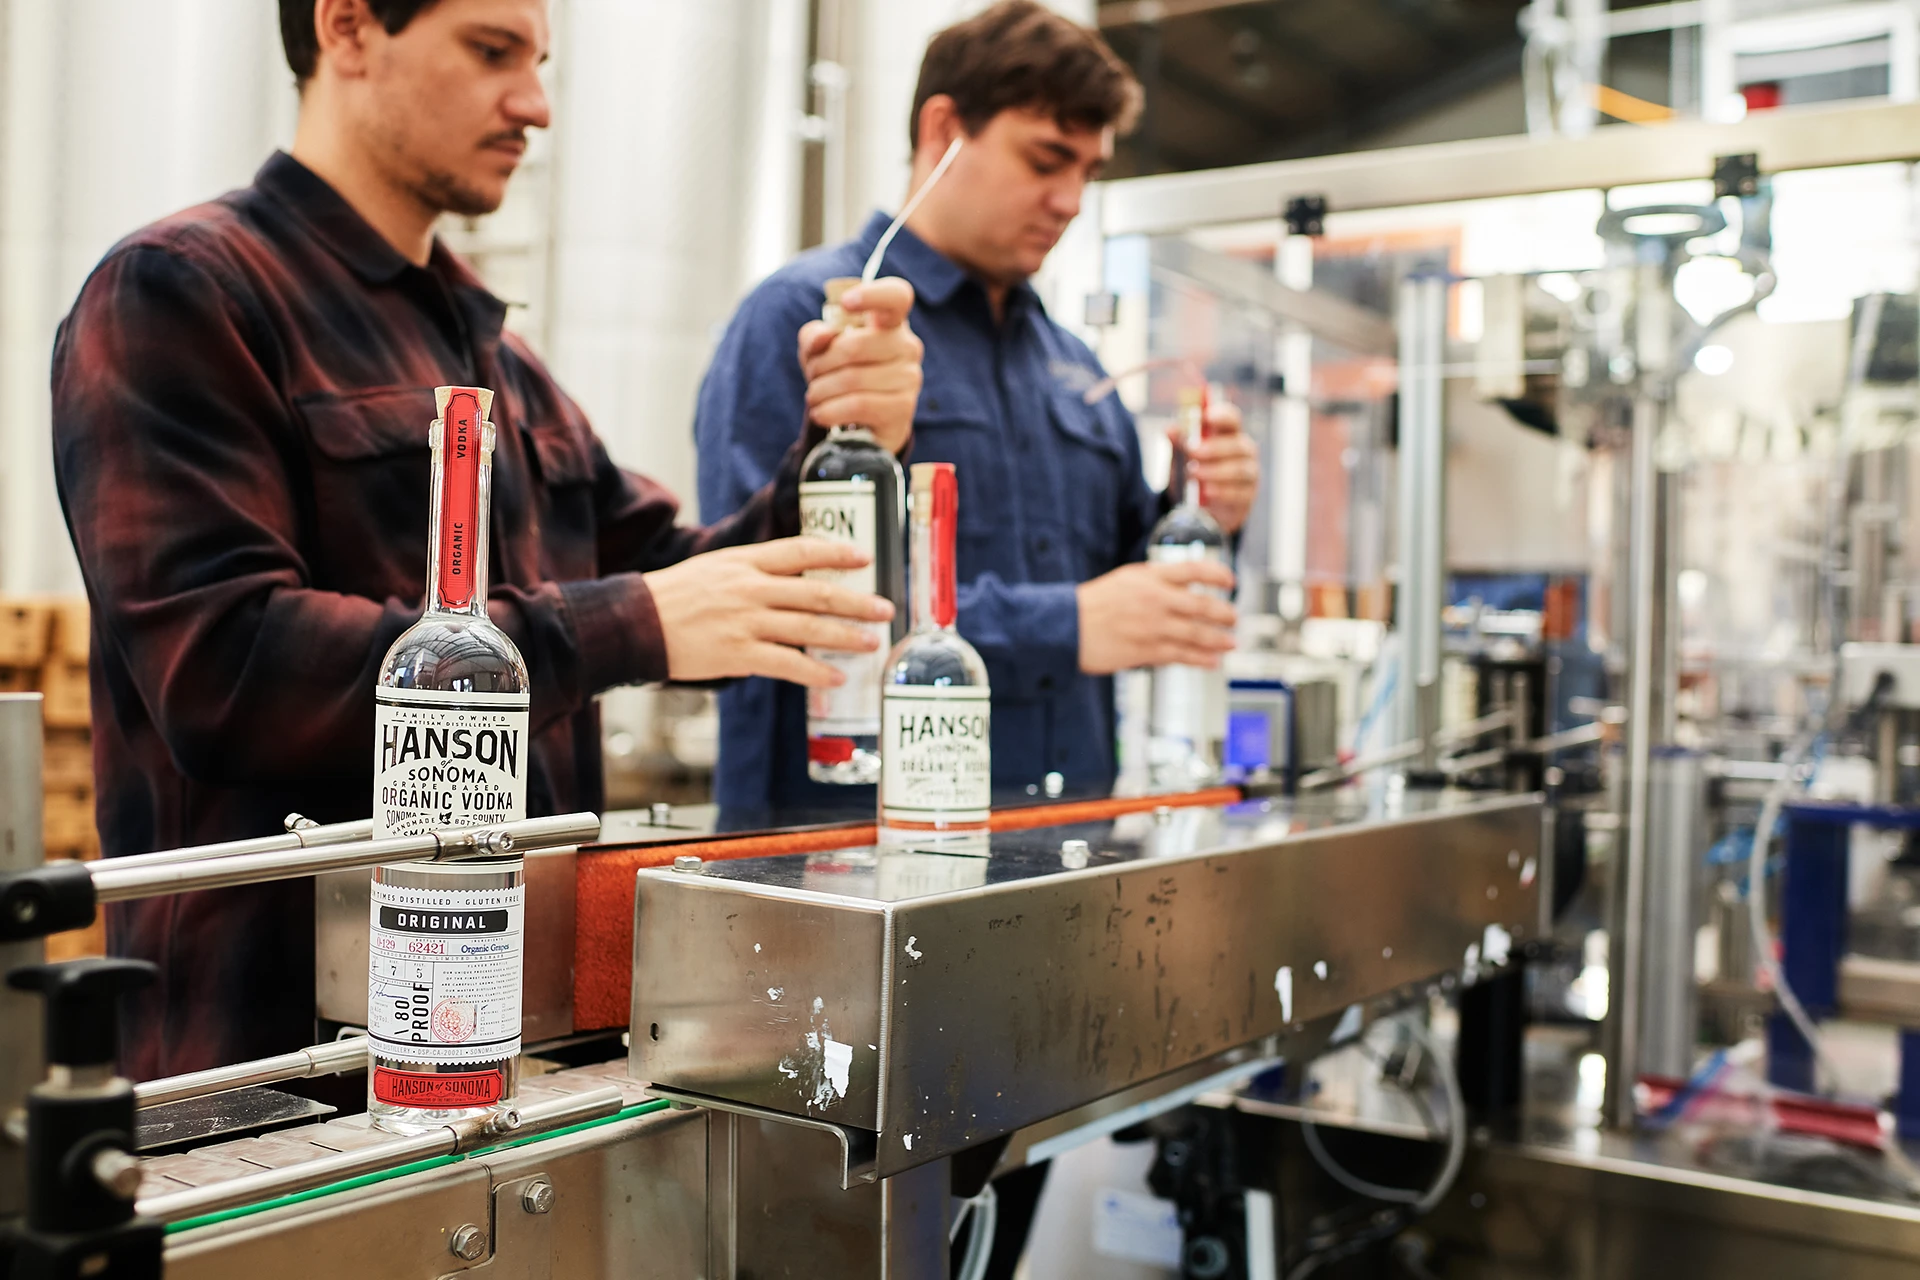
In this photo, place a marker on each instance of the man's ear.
(342, 28)
(940, 124)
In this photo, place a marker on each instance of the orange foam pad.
(603, 886)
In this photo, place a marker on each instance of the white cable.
(986, 1218)
(1421, 1201)
(872, 269)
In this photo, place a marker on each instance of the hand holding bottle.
(746, 611)
(1225, 461)
(869, 372)
(1147, 615)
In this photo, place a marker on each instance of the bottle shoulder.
(849, 455)
(1187, 526)
(456, 653)
(935, 657)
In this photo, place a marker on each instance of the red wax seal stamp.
(453, 1021)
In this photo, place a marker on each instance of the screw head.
(468, 1243)
(660, 815)
(688, 862)
(537, 1196)
(1074, 854)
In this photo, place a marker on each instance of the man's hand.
(1146, 615)
(1227, 465)
(745, 611)
(868, 373)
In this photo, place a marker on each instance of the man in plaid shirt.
(241, 397)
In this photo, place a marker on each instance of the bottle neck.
(935, 508)
(462, 499)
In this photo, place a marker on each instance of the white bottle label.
(447, 760)
(846, 511)
(443, 979)
(936, 754)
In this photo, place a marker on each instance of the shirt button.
(1042, 545)
(1044, 683)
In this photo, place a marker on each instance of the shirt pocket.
(953, 426)
(1093, 461)
(371, 487)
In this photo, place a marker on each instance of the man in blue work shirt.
(1054, 509)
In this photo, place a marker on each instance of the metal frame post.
(20, 1013)
(1422, 517)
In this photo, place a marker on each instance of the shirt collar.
(366, 252)
(331, 219)
(934, 276)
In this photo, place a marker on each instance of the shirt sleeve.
(176, 463)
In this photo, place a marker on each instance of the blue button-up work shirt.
(1051, 494)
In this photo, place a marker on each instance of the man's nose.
(526, 106)
(1064, 198)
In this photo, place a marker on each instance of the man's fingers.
(1223, 420)
(869, 410)
(797, 555)
(783, 663)
(903, 380)
(899, 347)
(1222, 449)
(1201, 609)
(884, 302)
(815, 336)
(813, 595)
(784, 626)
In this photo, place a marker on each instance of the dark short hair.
(303, 46)
(1020, 54)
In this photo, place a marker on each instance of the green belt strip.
(401, 1171)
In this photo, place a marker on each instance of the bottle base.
(411, 1121)
(860, 769)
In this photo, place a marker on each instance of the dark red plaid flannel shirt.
(241, 397)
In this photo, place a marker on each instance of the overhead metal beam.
(1355, 328)
(1615, 155)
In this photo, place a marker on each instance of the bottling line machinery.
(777, 1049)
(827, 1047)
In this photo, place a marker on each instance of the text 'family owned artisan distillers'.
(450, 750)
(935, 715)
(852, 490)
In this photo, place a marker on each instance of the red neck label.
(940, 542)
(459, 498)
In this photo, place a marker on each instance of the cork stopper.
(836, 318)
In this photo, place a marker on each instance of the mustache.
(505, 135)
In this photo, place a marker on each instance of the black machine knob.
(83, 1021)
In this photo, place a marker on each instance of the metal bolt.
(689, 863)
(661, 815)
(1073, 854)
(1053, 784)
(117, 1172)
(537, 1197)
(1163, 814)
(299, 822)
(468, 1243)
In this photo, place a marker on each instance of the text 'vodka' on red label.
(459, 497)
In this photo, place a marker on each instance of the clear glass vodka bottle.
(852, 490)
(937, 771)
(1186, 720)
(450, 750)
